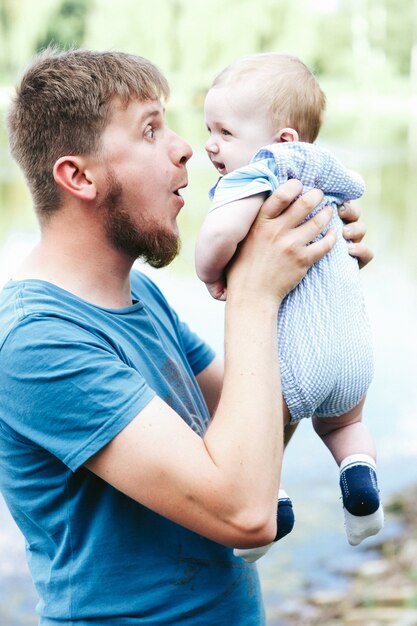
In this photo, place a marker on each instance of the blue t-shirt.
(72, 376)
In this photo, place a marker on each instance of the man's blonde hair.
(287, 88)
(62, 105)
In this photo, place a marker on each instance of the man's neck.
(81, 262)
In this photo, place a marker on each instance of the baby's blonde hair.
(287, 88)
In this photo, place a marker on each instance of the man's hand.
(354, 231)
(276, 254)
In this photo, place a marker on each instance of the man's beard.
(141, 240)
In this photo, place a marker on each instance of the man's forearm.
(246, 436)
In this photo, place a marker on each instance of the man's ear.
(286, 135)
(71, 173)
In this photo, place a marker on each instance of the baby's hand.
(217, 289)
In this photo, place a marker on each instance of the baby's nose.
(211, 146)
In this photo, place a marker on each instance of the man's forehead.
(150, 107)
(139, 108)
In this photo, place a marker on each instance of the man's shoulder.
(18, 301)
(22, 298)
(33, 310)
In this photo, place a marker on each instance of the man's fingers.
(320, 248)
(280, 199)
(354, 232)
(349, 212)
(303, 206)
(288, 195)
(362, 252)
(310, 229)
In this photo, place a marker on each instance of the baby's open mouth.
(220, 167)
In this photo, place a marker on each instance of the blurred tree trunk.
(361, 48)
(174, 36)
(378, 20)
(8, 10)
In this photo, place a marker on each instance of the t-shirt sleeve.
(67, 390)
(199, 354)
(257, 177)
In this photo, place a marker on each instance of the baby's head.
(258, 100)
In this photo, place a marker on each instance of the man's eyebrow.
(156, 112)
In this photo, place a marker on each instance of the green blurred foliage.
(193, 39)
(67, 25)
(364, 52)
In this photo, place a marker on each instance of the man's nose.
(187, 152)
(182, 150)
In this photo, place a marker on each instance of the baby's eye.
(225, 132)
(150, 132)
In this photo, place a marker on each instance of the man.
(129, 499)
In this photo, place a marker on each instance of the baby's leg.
(353, 448)
(346, 434)
(285, 513)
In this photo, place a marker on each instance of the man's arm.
(225, 485)
(210, 381)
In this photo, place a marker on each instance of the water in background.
(313, 554)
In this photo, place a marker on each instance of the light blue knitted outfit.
(324, 336)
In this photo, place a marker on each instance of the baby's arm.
(222, 230)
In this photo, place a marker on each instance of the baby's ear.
(286, 135)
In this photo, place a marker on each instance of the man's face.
(238, 126)
(144, 168)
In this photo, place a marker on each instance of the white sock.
(250, 555)
(360, 494)
(359, 528)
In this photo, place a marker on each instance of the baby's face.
(237, 124)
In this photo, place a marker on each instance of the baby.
(263, 114)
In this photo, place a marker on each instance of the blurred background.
(364, 53)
